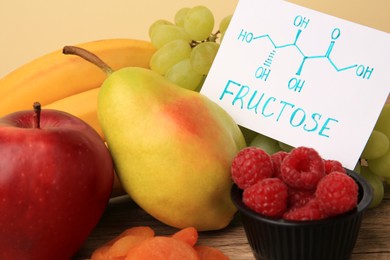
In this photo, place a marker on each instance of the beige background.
(29, 29)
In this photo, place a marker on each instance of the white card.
(302, 77)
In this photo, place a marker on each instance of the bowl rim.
(365, 198)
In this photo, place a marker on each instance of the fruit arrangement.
(155, 131)
(171, 147)
(299, 185)
(186, 48)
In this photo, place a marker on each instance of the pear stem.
(37, 115)
(88, 56)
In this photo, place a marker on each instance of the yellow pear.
(172, 148)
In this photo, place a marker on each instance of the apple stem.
(37, 115)
(88, 56)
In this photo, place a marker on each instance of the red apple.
(56, 176)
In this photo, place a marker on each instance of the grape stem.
(212, 38)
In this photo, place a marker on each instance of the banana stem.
(88, 56)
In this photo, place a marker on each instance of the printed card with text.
(302, 77)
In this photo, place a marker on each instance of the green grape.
(266, 143)
(248, 134)
(183, 75)
(285, 147)
(156, 24)
(165, 33)
(199, 23)
(180, 16)
(202, 56)
(168, 55)
(383, 123)
(376, 183)
(377, 145)
(200, 85)
(380, 166)
(223, 25)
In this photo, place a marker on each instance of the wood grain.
(373, 241)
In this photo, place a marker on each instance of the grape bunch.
(374, 164)
(186, 47)
(375, 159)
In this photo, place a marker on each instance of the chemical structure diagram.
(296, 83)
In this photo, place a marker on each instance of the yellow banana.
(82, 105)
(55, 76)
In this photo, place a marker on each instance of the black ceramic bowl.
(328, 239)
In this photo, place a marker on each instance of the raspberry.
(302, 168)
(267, 197)
(298, 198)
(337, 193)
(333, 166)
(310, 211)
(277, 159)
(251, 165)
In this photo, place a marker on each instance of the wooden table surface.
(373, 241)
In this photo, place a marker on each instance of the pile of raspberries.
(298, 185)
